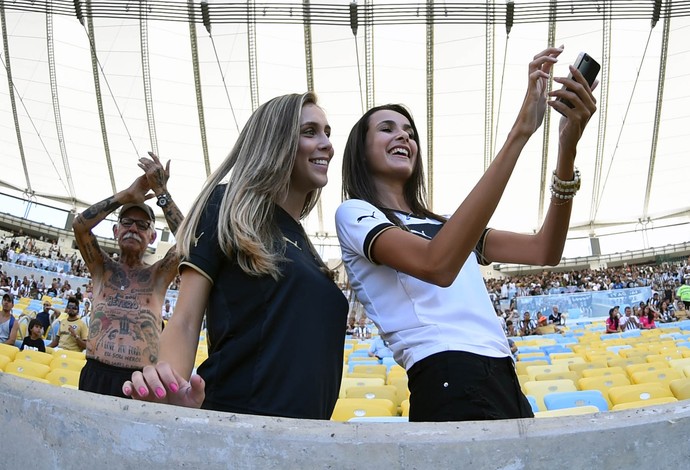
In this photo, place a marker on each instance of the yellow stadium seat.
(679, 364)
(360, 346)
(624, 362)
(665, 357)
(71, 364)
(578, 410)
(596, 356)
(686, 352)
(633, 352)
(400, 383)
(680, 388)
(647, 366)
(348, 382)
(62, 377)
(540, 388)
(405, 408)
(643, 403)
(533, 371)
(638, 392)
(663, 376)
(346, 408)
(34, 356)
(603, 383)
(4, 360)
(374, 369)
(66, 354)
(8, 350)
(35, 369)
(558, 356)
(587, 365)
(522, 356)
(521, 366)
(603, 371)
(569, 375)
(569, 360)
(388, 392)
(396, 371)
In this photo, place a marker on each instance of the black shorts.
(105, 379)
(461, 386)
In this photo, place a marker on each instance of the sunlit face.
(37, 330)
(130, 231)
(72, 309)
(314, 151)
(390, 149)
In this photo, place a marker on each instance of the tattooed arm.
(157, 177)
(85, 222)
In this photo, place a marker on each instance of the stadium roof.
(88, 87)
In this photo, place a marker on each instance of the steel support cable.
(197, 87)
(488, 86)
(657, 112)
(56, 105)
(430, 109)
(509, 26)
(206, 16)
(620, 132)
(368, 54)
(146, 75)
(354, 27)
(91, 34)
(13, 102)
(251, 51)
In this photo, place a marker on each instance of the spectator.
(379, 349)
(629, 321)
(73, 331)
(34, 340)
(125, 322)
(612, 323)
(647, 319)
(556, 317)
(8, 325)
(527, 325)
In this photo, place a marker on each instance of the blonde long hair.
(261, 162)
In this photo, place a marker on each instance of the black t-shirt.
(275, 347)
(35, 344)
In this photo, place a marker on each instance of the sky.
(75, 166)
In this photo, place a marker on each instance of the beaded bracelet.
(561, 186)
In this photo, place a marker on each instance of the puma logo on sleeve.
(361, 218)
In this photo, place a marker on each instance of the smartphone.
(588, 67)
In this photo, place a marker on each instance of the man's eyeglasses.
(141, 224)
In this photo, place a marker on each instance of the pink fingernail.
(128, 391)
(143, 392)
(160, 393)
(173, 387)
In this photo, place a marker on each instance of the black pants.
(461, 386)
(105, 379)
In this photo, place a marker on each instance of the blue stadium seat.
(533, 403)
(559, 400)
(631, 334)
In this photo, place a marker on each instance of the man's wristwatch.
(163, 200)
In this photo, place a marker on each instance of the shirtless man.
(125, 320)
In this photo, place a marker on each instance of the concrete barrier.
(47, 427)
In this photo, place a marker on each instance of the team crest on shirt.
(361, 218)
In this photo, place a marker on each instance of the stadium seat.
(568, 360)
(521, 366)
(400, 383)
(663, 376)
(679, 364)
(539, 389)
(664, 357)
(346, 408)
(8, 350)
(638, 392)
(680, 388)
(533, 371)
(67, 354)
(558, 400)
(4, 360)
(643, 403)
(374, 369)
(587, 365)
(62, 377)
(71, 364)
(604, 383)
(569, 375)
(647, 366)
(405, 408)
(603, 371)
(26, 368)
(626, 361)
(348, 382)
(579, 410)
(533, 403)
(34, 356)
(389, 392)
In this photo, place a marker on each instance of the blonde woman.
(274, 317)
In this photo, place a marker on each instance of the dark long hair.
(358, 182)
